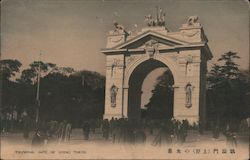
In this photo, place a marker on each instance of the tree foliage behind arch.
(227, 90)
(65, 94)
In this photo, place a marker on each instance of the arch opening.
(160, 105)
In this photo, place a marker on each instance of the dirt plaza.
(201, 146)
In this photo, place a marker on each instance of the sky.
(72, 32)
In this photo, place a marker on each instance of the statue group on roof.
(159, 21)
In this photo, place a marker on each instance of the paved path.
(14, 146)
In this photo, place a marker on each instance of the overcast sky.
(71, 33)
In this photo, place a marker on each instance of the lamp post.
(38, 89)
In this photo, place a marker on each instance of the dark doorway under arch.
(161, 102)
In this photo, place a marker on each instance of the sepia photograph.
(124, 79)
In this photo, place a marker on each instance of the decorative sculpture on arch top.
(189, 89)
(158, 21)
(113, 93)
(118, 28)
(192, 20)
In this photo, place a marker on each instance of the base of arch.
(190, 118)
(109, 116)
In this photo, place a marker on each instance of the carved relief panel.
(151, 48)
(114, 64)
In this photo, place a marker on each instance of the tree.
(64, 93)
(9, 68)
(160, 105)
(9, 94)
(65, 71)
(230, 69)
(91, 95)
(227, 90)
(74, 97)
(29, 75)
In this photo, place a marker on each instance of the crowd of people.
(12, 121)
(116, 130)
(52, 131)
(170, 131)
(122, 130)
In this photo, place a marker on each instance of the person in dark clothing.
(216, 132)
(170, 131)
(38, 139)
(126, 131)
(26, 127)
(200, 127)
(185, 128)
(177, 130)
(183, 131)
(151, 127)
(61, 131)
(105, 129)
(92, 125)
(115, 131)
(111, 124)
(158, 139)
(86, 129)
(121, 130)
(140, 136)
(230, 138)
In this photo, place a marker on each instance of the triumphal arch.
(131, 56)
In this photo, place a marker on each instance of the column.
(125, 103)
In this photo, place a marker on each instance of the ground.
(13, 146)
